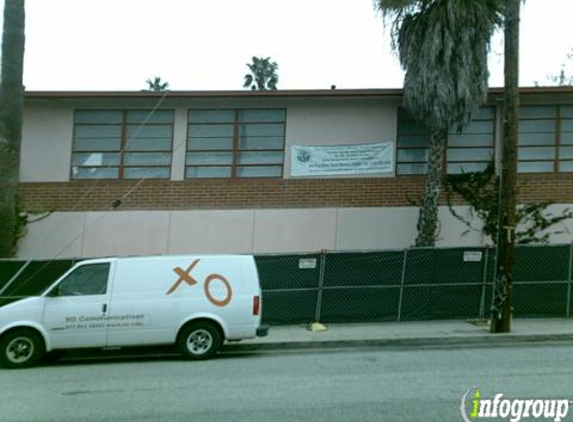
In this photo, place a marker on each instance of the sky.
(205, 44)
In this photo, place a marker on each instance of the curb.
(473, 341)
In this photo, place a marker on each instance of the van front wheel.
(21, 348)
(200, 340)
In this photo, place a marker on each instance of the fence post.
(320, 284)
(484, 283)
(402, 284)
(568, 311)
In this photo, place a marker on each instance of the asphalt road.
(320, 385)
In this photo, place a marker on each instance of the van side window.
(85, 280)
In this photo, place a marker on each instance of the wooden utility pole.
(11, 105)
(503, 291)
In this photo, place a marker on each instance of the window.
(566, 139)
(84, 281)
(114, 144)
(242, 143)
(536, 152)
(413, 145)
(545, 139)
(473, 149)
(468, 151)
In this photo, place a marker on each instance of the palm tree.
(564, 78)
(442, 46)
(156, 84)
(263, 76)
(11, 105)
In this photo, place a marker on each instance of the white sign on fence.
(307, 263)
(472, 256)
(342, 159)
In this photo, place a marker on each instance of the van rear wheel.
(21, 348)
(199, 340)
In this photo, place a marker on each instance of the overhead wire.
(118, 202)
(97, 181)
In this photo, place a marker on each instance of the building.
(123, 173)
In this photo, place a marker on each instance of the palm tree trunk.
(428, 217)
(11, 105)
(502, 308)
(261, 83)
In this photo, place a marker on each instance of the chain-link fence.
(400, 285)
(412, 284)
(20, 279)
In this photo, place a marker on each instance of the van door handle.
(104, 308)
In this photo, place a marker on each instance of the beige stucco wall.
(225, 231)
(46, 150)
(48, 129)
(133, 233)
(90, 234)
(59, 235)
(179, 144)
(294, 230)
(341, 123)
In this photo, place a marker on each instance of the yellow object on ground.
(316, 327)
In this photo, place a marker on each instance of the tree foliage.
(263, 74)
(564, 78)
(442, 46)
(481, 191)
(156, 84)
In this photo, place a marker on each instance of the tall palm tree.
(263, 76)
(11, 105)
(156, 84)
(442, 46)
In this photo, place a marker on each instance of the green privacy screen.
(399, 285)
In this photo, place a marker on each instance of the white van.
(195, 302)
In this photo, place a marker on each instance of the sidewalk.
(402, 334)
(374, 334)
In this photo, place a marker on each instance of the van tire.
(21, 348)
(199, 340)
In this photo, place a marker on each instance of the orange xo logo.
(185, 276)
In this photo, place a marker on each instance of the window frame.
(561, 116)
(554, 144)
(477, 118)
(558, 143)
(123, 150)
(424, 132)
(235, 146)
(399, 148)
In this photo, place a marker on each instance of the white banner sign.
(342, 159)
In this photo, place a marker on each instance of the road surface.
(423, 384)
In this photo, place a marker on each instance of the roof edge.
(217, 94)
(324, 93)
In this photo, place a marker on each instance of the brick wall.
(279, 193)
